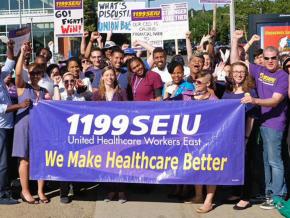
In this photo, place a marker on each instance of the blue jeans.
(273, 164)
(3, 162)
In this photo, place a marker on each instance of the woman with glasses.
(35, 93)
(69, 94)
(204, 91)
(82, 85)
(109, 90)
(203, 88)
(241, 84)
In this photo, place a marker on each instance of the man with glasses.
(272, 85)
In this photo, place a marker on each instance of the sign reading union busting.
(138, 142)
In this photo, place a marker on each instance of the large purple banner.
(138, 142)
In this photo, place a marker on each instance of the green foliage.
(243, 8)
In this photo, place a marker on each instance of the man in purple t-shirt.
(272, 86)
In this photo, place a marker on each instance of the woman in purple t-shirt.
(241, 84)
(146, 85)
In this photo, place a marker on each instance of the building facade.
(38, 13)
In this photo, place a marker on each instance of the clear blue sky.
(191, 3)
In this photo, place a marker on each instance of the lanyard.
(136, 84)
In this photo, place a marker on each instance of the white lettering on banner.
(141, 125)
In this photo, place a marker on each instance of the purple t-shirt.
(267, 83)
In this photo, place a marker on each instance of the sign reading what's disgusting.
(68, 18)
(116, 16)
(138, 142)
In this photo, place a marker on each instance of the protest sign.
(19, 36)
(277, 36)
(175, 20)
(116, 16)
(176, 143)
(146, 26)
(68, 18)
(215, 1)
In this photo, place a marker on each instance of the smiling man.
(159, 58)
(272, 85)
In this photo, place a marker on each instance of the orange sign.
(277, 36)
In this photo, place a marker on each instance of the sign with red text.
(146, 26)
(116, 16)
(68, 18)
(175, 20)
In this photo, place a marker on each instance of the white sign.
(146, 26)
(175, 20)
(68, 18)
(116, 16)
(19, 36)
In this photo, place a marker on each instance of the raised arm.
(19, 82)
(238, 34)
(149, 49)
(188, 38)
(84, 43)
(255, 38)
(93, 38)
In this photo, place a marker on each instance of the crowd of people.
(105, 71)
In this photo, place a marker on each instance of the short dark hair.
(172, 65)
(117, 49)
(157, 50)
(258, 52)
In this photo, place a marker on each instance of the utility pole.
(232, 19)
(214, 17)
(20, 16)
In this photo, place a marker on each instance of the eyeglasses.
(85, 61)
(239, 72)
(198, 82)
(66, 82)
(270, 58)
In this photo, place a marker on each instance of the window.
(36, 4)
(4, 5)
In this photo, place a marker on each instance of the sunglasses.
(287, 66)
(270, 58)
(69, 81)
(198, 82)
(85, 61)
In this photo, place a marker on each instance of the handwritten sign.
(116, 16)
(175, 20)
(68, 18)
(146, 26)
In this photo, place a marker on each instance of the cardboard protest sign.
(116, 16)
(146, 26)
(175, 20)
(19, 36)
(68, 18)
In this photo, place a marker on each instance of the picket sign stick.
(176, 46)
